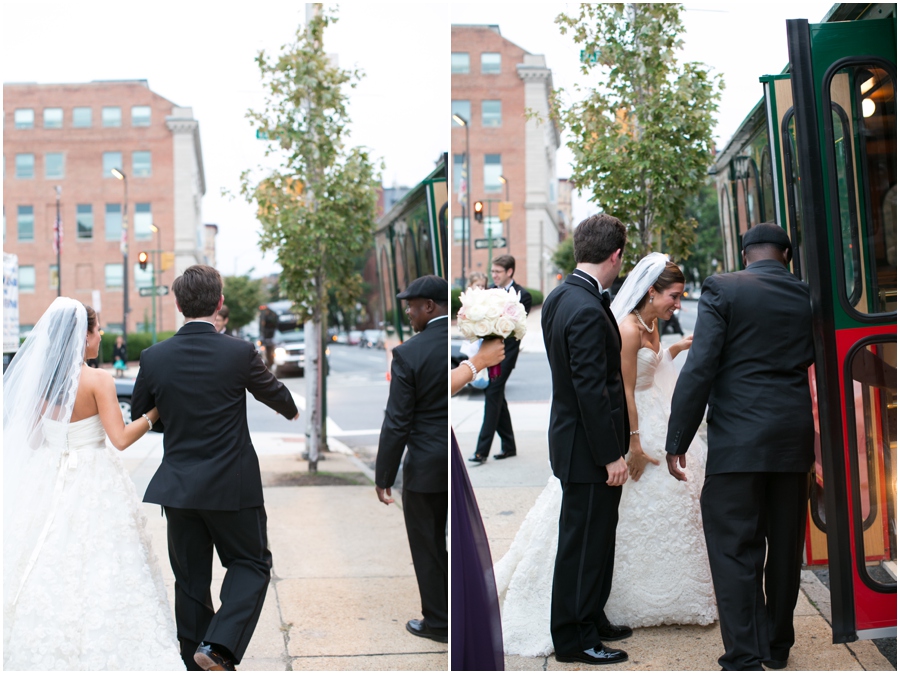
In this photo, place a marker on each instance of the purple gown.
(477, 641)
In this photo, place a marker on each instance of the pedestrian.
(753, 345)
(222, 320)
(268, 323)
(120, 356)
(416, 420)
(477, 279)
(496, 411)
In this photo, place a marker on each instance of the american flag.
(57, 234)
(123, 246)
(463, 184)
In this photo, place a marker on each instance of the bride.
(81, 586)
(661, 572)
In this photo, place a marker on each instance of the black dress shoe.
(598, 655)
(614, 632)
(775, 664)
(211, 660)
(420, 629)
(477, 459)
(504, 455)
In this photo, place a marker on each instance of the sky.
(200, 54)
(739, 40)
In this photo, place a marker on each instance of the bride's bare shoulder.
(94, 376)
(631, 334)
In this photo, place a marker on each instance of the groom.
(209, 481)
(588, 439)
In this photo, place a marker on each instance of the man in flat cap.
(753, 345)
(416, 418)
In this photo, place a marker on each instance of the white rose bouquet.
(491, 313)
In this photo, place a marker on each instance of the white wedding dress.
(82, 586)
(661, 574)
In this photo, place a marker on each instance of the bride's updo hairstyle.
(669, 277)
(91, 318)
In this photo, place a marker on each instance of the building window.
(490, 113)
(143, 218)
(493, 169)
(53, 118)
(113, 222)
(25, 166)
(111, 160)
(54, 165)
(112, 116)
(26, 279)
(24, 118)
(140, 115)
(113, 273)
(458, 161)
(140, 164)
(54, 277)
(461, 108)
(143, 279)
(84, 217)
(81, 118)
(459, 63)
(26, 223)
(458, 228)
(490, 63)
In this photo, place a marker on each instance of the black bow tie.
(604, 297)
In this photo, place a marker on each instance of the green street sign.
(261, 135)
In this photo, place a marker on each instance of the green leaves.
(317, 209)
(642, 137)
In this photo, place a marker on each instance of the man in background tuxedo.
(753, 345)
(496, 411)
(588, 439)
(209, 481)
(416, 419)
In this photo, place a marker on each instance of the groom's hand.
(673, 461)
(384, 495)
(617, 472)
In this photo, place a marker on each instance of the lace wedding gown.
(661, 574)
(82, 587)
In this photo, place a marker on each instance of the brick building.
(494, 83)
(71, 136)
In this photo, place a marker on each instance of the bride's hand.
(637, 462)
(682, 345)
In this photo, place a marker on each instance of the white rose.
(505, 326)
(465, 329)
(482, 328)
(476, 311)
(520, 331)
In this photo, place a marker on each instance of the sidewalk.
(343, 584)
(506, 490)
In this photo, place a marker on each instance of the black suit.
(588, 430)
(209, 481)
(496, 411)
(752, 349)
(416, 419)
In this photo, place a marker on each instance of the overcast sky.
(200, 54)
(739, 40)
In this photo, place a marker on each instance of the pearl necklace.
(641, 321)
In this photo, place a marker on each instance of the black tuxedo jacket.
(416, 414)
(753, 344)
(588, 414)
(198, 379)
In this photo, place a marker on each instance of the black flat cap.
(429, 287)
(767, 232)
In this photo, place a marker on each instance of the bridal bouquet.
(491, 313)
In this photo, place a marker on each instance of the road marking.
(330, 426)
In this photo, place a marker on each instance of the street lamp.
(465, 221)
(508, 226)
(124, 248)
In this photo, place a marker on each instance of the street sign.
(261, 135)
(148, 292)
(504, 210)
(499, 242)
(166, 262)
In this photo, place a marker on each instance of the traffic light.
(142, 259)
(479, 211)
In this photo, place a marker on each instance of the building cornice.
(192, 126)
(531, 74)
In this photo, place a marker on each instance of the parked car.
(124, 389)
(372, 339)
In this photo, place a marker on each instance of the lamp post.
(508, 226)
(119, 174)
(57, 234)
(465, 221)
(156, 270)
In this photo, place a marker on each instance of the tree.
(564, 256)
(707, 253)
(642, 138)
(317, 209)
(243, 297)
